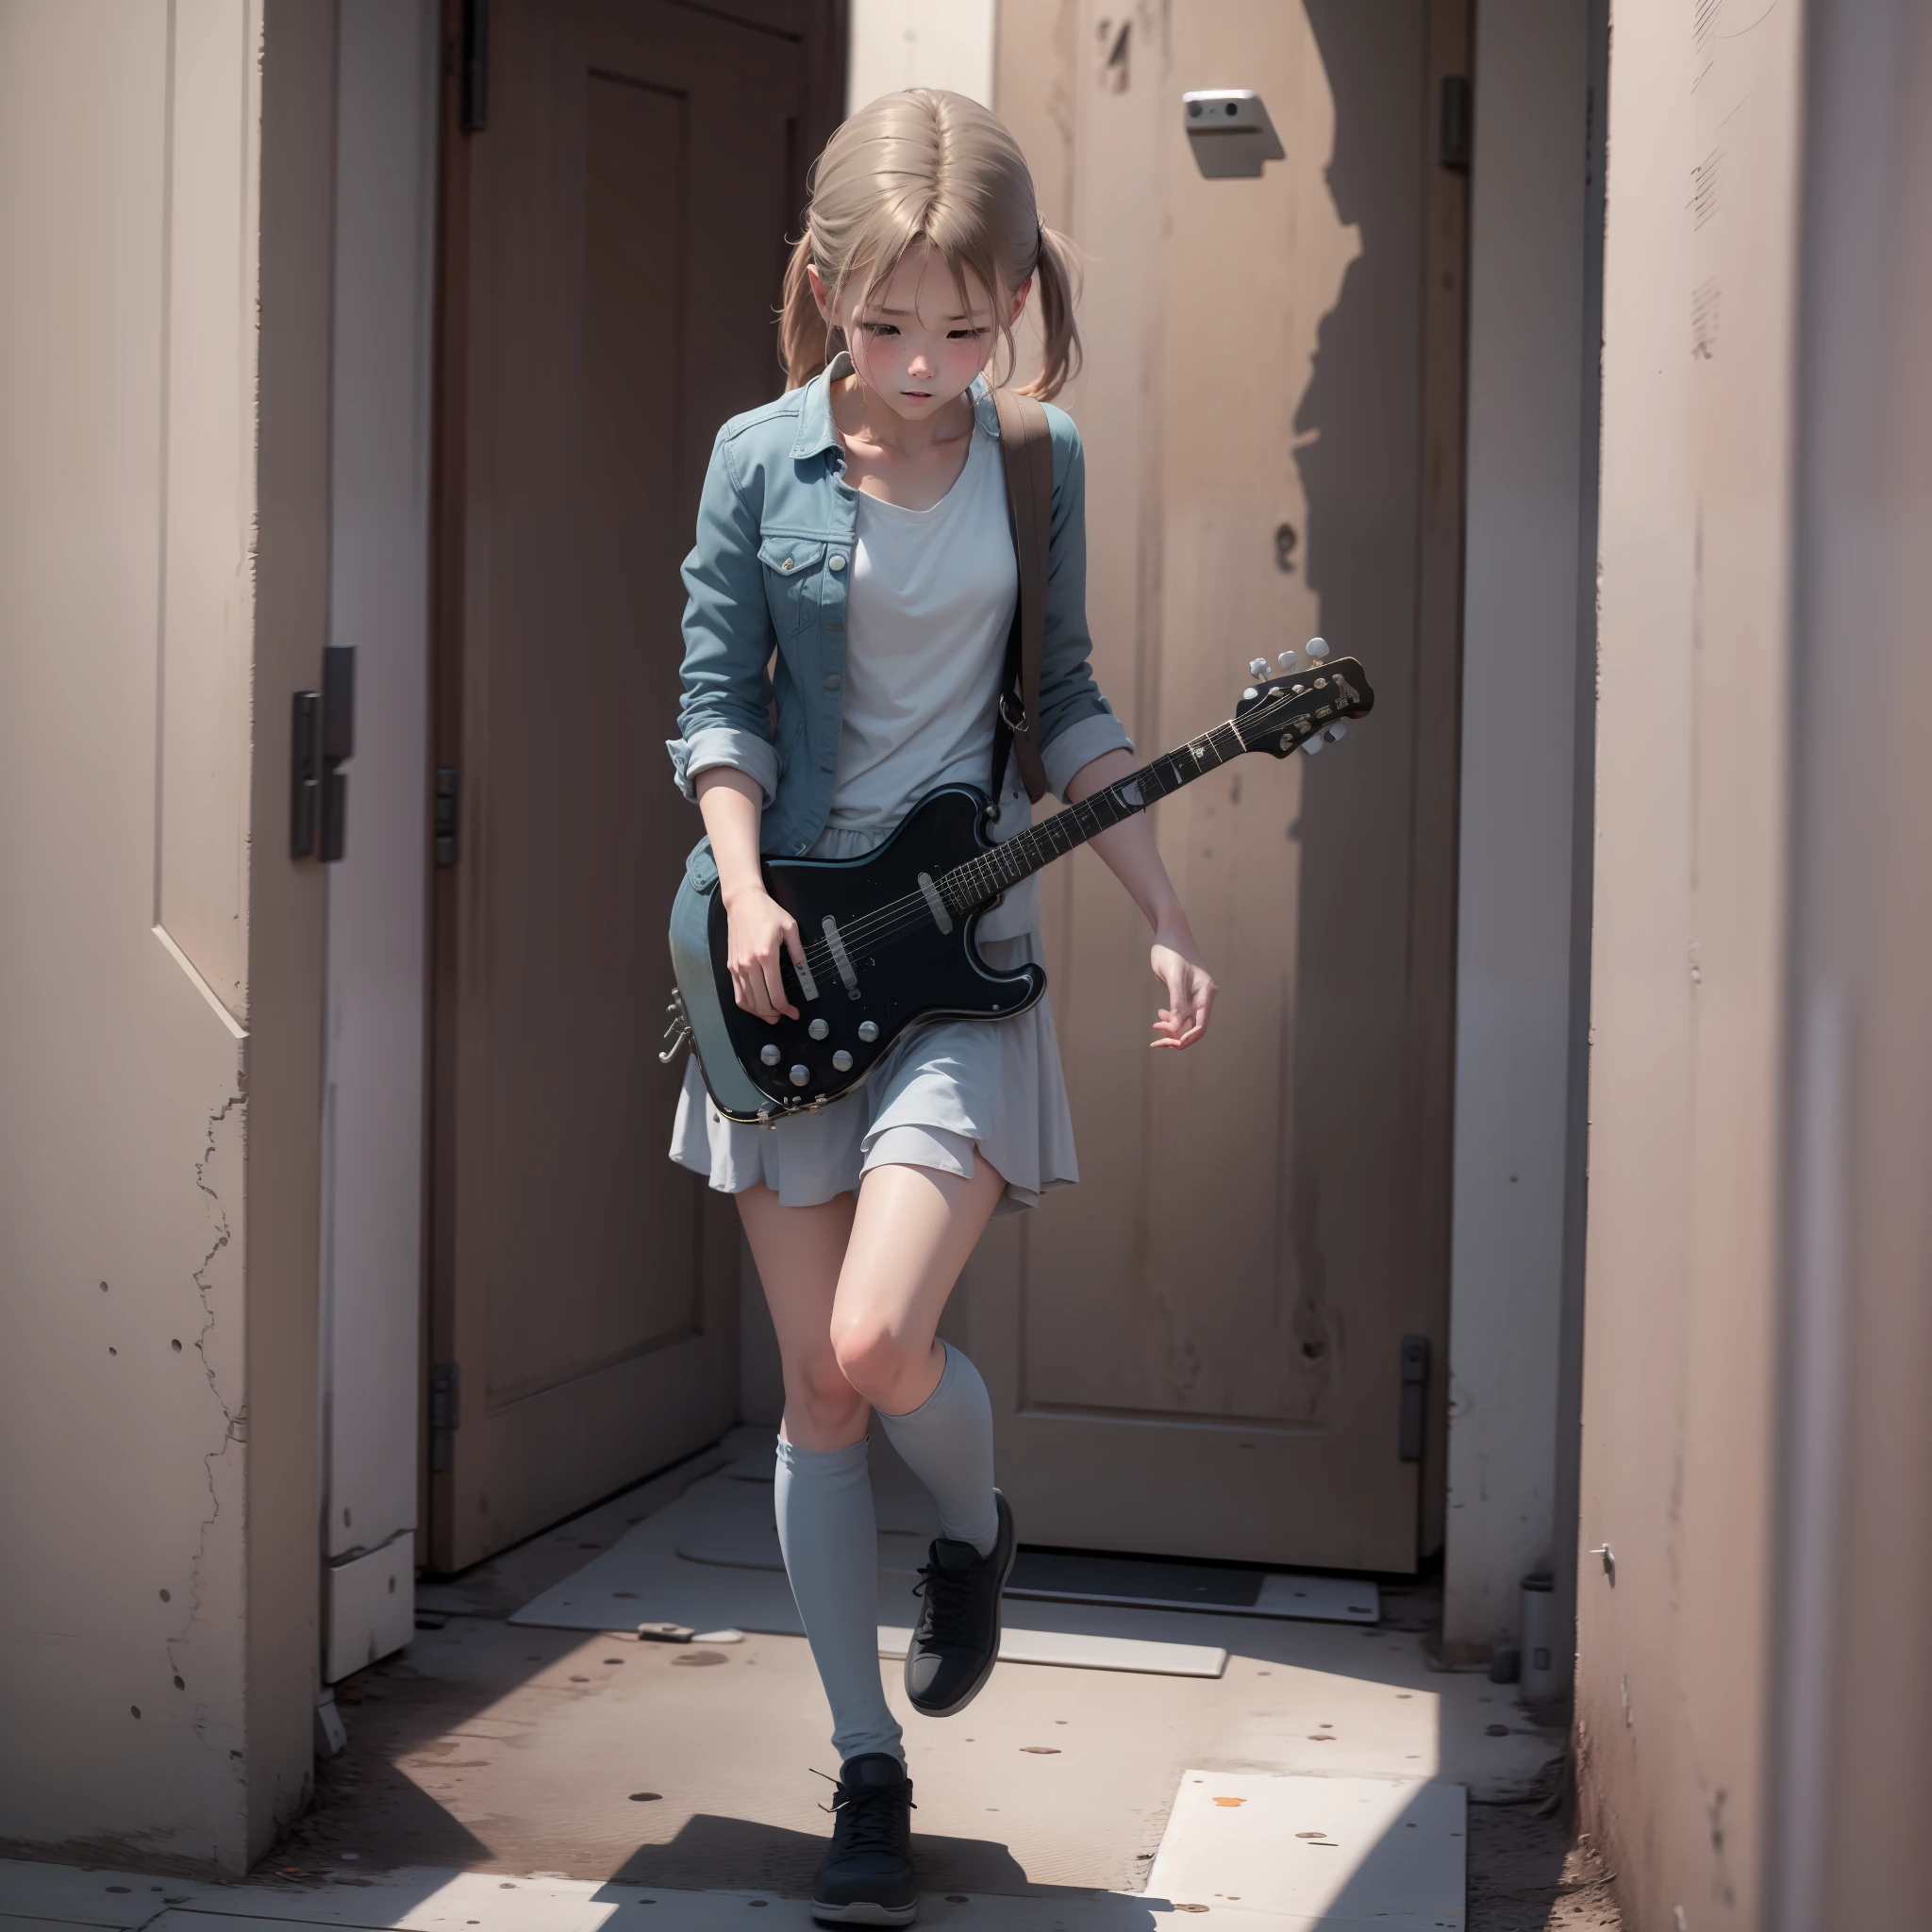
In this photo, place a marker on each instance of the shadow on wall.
(1352, 1216)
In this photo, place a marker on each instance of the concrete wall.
(164, 460)
(1689, 976)
(1852, 1680)
(1527, 650)
(385, 214)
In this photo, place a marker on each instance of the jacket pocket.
(794, 569)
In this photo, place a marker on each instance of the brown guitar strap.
(1026, 455)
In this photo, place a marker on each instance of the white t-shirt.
(928, 614)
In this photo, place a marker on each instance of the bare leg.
(799, 1252)
(911, 1235)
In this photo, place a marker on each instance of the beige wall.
(1688, 975)
(158, 972)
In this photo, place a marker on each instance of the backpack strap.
(1026, 455)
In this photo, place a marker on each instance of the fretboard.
(999, 870)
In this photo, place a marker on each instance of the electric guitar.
(889, 937)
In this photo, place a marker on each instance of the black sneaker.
(957, 1642)
(866, 1878)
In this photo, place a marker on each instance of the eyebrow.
(967, 316)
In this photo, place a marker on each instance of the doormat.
(1160, 1584)
(744, 1537)
(650, 1576)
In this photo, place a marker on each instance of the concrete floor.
(499, 1749)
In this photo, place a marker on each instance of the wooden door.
(1199, 1350)
(613, 240)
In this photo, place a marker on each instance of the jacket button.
(837, 560)
(833, 682)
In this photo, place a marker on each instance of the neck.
(1002, 867)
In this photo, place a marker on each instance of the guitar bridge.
(678, 1032)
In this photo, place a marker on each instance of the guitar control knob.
(1257, 667)
(818, 1029)
(868, 1031)
(768, 1055)
(1318, 647)
(1337, 731)
(841, 1061)
(801, 1076)
(1310, 745)
(1286, 660)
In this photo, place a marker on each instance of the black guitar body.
(889, 938)
(897, 969)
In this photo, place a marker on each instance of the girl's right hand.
(758, 932)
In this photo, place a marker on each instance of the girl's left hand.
(1177, 962)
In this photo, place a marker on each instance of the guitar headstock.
(1300, 706)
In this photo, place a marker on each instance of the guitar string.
(911, 910)
(897, 915)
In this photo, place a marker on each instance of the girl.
(850, 598)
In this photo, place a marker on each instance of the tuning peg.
(1337, 731)
(1311, 745)
(1286, 660)
(1257, 667)
(1318, 647)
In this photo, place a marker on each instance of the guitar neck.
(1001, 868)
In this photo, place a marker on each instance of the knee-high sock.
(947, 1443)
(829, 1536)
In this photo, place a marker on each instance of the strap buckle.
(1016, 725)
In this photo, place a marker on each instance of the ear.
(1019, 308)
(819, 292)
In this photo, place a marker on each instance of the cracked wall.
(143, 1529)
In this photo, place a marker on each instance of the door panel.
(1197, 1350)
(615, 240)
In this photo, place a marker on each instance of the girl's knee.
(819, 1389)
(875, 1361)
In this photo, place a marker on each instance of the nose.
(921, 364)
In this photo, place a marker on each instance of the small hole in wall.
(112, 1350)
(104, 1288)
(181, 1683)
(134, 1709)
(391, 1586)
(175, 1346)
(165, 1598)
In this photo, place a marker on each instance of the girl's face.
(914, 344)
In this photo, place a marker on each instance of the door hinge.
(449, 813)
(445, 1413)
(1454, 135)
(338, 744)
(305, 772)
(475, 76)
(1415, 1384)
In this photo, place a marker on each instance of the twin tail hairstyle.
(925, 165)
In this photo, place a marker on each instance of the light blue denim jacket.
(764, 625)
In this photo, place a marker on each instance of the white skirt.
(944, 1090)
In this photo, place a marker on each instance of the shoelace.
(865, 1816)
(948, 1603)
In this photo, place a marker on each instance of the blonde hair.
(927, 166)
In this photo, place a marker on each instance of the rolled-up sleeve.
(724, 713)
(1076, 725)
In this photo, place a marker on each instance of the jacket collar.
(817, 432)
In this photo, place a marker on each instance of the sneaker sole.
(864, 1912)
(978, 1684)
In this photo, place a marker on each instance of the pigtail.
(1055, 276)
(805, 339)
